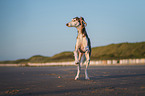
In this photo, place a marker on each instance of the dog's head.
(76, 22)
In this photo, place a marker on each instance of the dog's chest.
(80, 36)
(82, 40)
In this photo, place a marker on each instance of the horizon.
(35, 27)
(70, 51)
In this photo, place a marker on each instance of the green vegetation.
(119, 51)
(64, 56)
(112, 51)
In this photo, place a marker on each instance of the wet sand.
(59, 81)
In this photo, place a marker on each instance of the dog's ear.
(83, 20)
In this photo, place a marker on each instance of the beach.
(59, 81)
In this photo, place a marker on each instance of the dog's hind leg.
(78, 71)
(87, 64)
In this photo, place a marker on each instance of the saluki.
(82, 51)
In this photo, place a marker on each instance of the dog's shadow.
(115, 76)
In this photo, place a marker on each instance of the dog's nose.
(67, 24)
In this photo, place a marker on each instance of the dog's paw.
(77, 62)
(87, 78)
(76, 78)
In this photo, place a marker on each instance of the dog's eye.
(73, 20)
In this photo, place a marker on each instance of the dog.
(82, 51)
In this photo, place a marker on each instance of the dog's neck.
(82, 32)
(79, 28)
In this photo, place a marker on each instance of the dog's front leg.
(76, 55)
(76, 52)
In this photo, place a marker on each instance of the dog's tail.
(83, 59)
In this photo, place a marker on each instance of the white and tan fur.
(82, 51)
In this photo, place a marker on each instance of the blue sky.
(37, 27)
